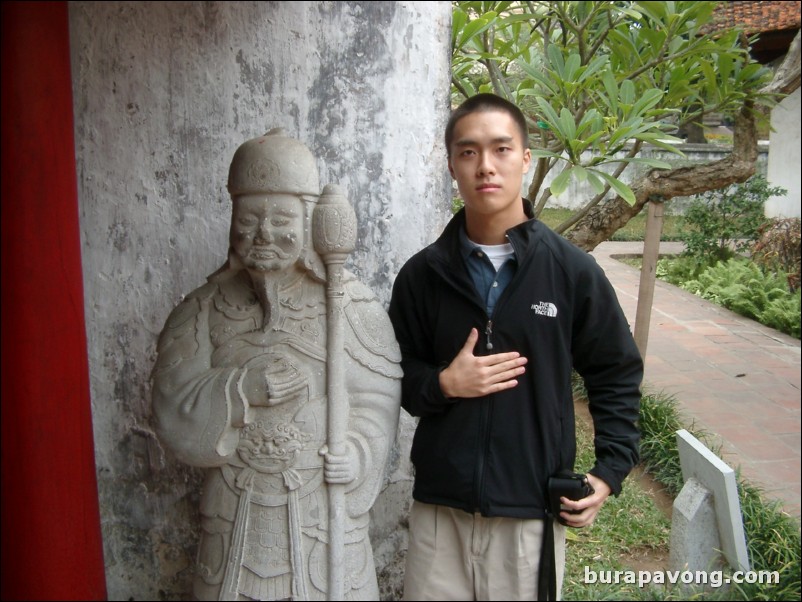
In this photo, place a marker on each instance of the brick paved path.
(732, 377)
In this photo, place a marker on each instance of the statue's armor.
(264, 510)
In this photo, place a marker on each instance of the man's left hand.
(584, 511)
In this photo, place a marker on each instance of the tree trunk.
(694, 131)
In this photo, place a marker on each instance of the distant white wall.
(784, 157)
(164, 92)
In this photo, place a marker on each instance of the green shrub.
(722, 223)
(679, 270)
(783, 314)
(741, 286)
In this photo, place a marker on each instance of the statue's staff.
(334, 235)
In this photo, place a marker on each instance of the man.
(491, 320)
(240, 389)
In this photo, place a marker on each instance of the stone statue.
(281, 376)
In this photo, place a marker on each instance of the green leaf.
(657, 163)
(622, 44)
(580, 172)
(608, 79)
(556, 59)
(595, 182)
(560, 183)
(709, 76)
(621, 134)
(589, 119)
(656, 11)
(647, 100)
(549, 113)
(663, 141)
(539, 153)
(593, 67)
(621, 189)
(753, 71)
(536, 74)
(572, 65)
(725, 67)
(515, 19)
(567, 124)
(590, 140)
(458, 20)
(627, 94)
(474, 28)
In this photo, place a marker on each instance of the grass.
(628, 526)
(635, 229)
(631, 526)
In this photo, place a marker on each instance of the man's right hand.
(469, 375)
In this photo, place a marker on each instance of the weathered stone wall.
(164, 92)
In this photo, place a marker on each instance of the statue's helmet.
(273, 163)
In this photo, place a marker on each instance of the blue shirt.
(488, 282)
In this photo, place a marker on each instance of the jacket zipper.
(486, 414)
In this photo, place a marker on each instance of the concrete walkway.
(731, 377)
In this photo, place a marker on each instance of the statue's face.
(267, 230)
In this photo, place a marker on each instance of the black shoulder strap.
(547, 573)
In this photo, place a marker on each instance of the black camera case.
(571, 485)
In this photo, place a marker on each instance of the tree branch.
(787, 77)
(738, 166)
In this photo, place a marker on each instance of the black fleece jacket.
(494, 454)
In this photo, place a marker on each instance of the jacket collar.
(447, 248)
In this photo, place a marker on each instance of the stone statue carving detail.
(281, 376)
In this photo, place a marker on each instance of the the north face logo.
(544, 308)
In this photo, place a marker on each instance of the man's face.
(488, 162)
(267, 230)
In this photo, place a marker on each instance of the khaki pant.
(454, 555)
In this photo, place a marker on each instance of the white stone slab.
(699, 463)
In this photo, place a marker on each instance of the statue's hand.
(273, 380)
(255, 388)
(339, 469)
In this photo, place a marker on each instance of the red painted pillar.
(51, 543)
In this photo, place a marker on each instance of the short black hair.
(486, 102)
